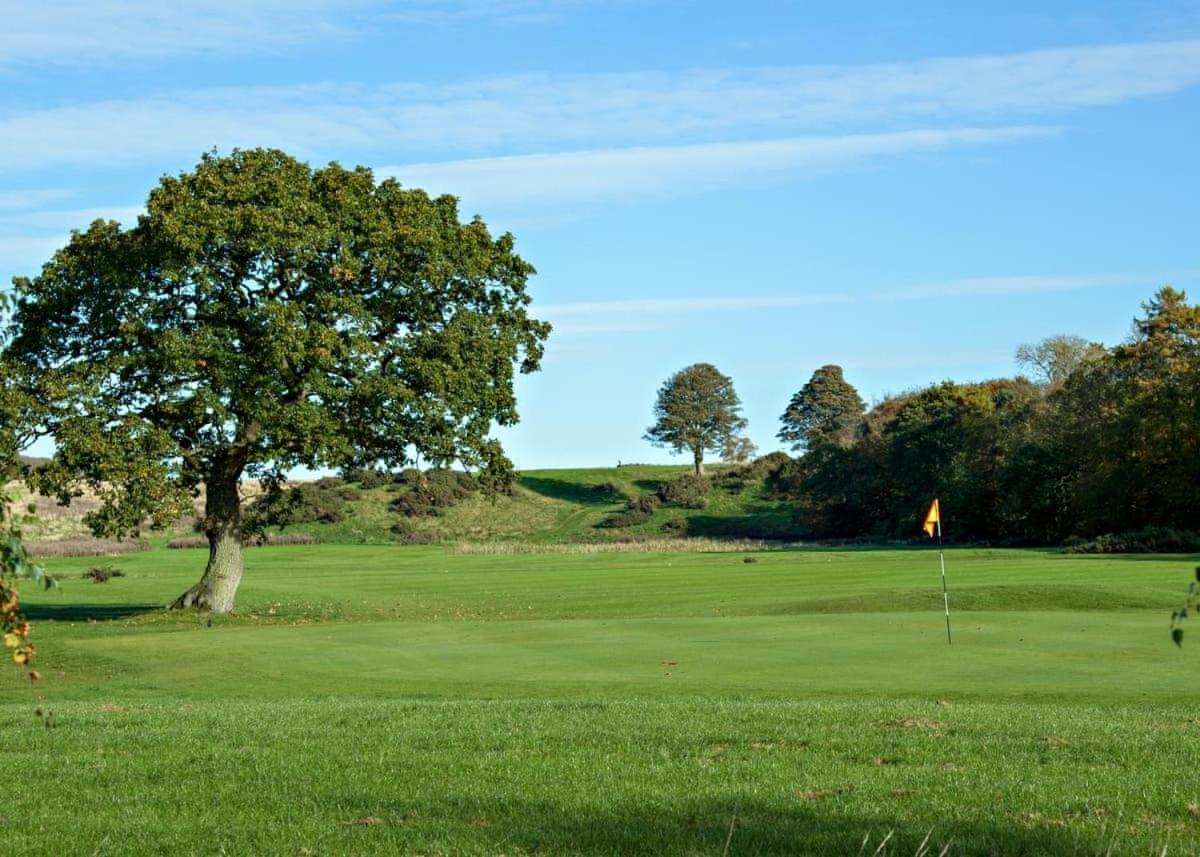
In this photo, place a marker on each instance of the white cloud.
(1020, 285)
(74, 218)
(18, 200)
(91, 31)
(635, 315)
(515, 115)
(75, 32)
(667, 170)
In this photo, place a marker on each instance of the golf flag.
(933, 524)
(932, 519)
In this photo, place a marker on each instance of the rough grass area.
(596, 777)
(388, 699)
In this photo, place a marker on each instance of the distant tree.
(739, 450)
(263, 315)
(1053, 359)
(824, 411)
(698, 410)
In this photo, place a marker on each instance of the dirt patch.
(915, 723)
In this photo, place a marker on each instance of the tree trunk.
(223, 526)
(698, 458)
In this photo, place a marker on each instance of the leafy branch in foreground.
(15, 561)
(1178, 617)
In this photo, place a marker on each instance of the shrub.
(306, 503)
(428, 494)
(373, 479)
(610, 489)
(102, 573)
(1146, 540)
(677, 526)
(328, 482)
(688, 491)
(406, 535)
(637, 511)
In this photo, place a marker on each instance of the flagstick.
(945, 594)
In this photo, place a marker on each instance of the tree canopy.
(1053, 359)
(263, 315)
(825, 410)
(1110, 447)
(698, 410)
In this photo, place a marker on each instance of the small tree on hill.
(697, 410)
(264, 315)
(825, 410)
(1054, 358)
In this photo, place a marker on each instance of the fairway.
(413, 700)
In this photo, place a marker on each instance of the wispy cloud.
(64, 220)
(19, 200)
(91, 31)
(1019, 285)
(78, 32)
(667, 170)
(518, 115)
(636, 315)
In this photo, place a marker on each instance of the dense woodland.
(1099, 441)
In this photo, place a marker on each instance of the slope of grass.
(386, 699)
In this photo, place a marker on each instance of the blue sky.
(908, 190)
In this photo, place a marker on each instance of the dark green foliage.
(102, 573)
(638, 510)
(677, 526)
(608, 488)
(306, 503)
(1110, 447)
(260, 316)
(1147, 540)
(428, 494)
(697, 410)
(687, 491)
(824, 411)
(406, 535)
(373, 478)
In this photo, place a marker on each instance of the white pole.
(945, 593)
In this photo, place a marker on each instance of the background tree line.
(1100, 440)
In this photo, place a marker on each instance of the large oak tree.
(263, 315)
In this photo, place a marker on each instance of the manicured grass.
(386, 699)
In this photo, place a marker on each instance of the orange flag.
(932, 519)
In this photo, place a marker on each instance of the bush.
(1147, 540)
(425, 495)
(732, 484)
(406, 535)
(638, 510)
(677, 526)
(373, 479)
(102, 573)
(608, 488)
(688, 491)
(306, 503)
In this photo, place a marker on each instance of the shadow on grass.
(572, 492)
(85, 612)
(767, 526)
(823, 824)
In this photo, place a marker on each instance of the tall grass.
(648, 545)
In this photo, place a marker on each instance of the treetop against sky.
(767, 187)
